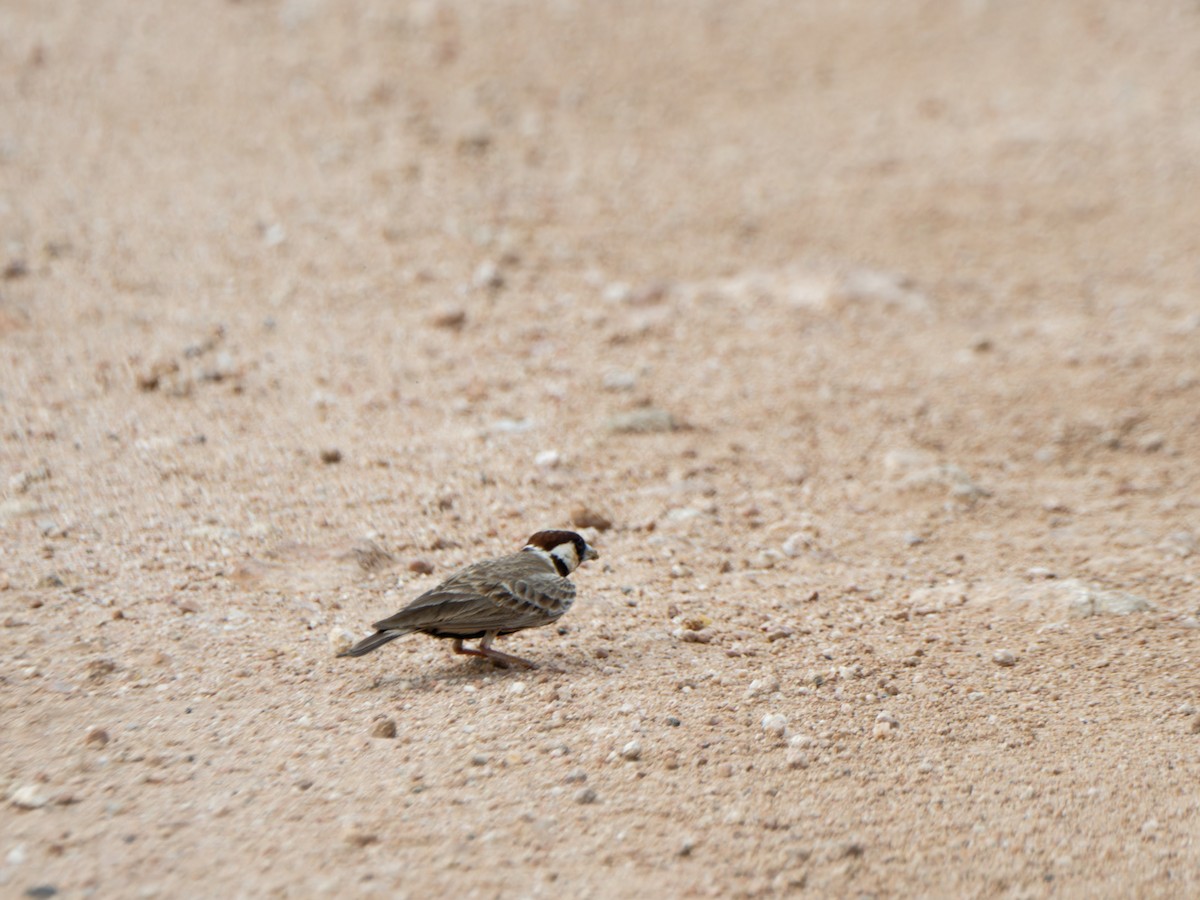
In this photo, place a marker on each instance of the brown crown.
(548, 540)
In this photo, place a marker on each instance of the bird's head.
(567, 549)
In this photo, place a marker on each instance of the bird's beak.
(590, 553)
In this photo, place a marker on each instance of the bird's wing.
(466, 603)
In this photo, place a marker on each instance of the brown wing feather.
(506, 594)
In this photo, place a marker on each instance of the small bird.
(493, 597)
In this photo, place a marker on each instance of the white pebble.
(340, 640)
(547, 459)
(1004, 658)
(762, 686)
(517, 687)
(775, 723)
(632, 750)
(27, 796)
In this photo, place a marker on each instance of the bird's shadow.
(479, 672)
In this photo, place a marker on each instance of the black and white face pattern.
(566, 549)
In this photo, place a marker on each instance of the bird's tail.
(375, 641)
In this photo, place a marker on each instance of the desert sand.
(862, 339)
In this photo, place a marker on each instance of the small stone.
(686, 847)
(1152, 443)
(384, 728)
(356, 836)
(488, 275)
(795, 758)
(586, 796)
(41, 890)
(340, 640)
(576, 776)
(28, 796)
(761, 687)
(547, 459)
(586, 517)
(775, 724)
(479, 759)
(632, 751)
(453, 318)
(16, 268)
(886, 725)
(517, 687)
(1196, 725)
(642, 421)
(619, 381)
(674, 722)
(331, 455)
(1004, 658)
(97, 737)
(421, 567)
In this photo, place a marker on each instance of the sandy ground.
(872, 328)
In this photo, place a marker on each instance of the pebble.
(886, 725)
(28, 796)
(586, 796)
(384, 728)
(548, 459)
(1083, 600)
(796, 758)
(619, 381)
(97, 736)
(479, 759)
(340, 640)
(632, 750)
(488, 275)
(686, 847)
(586, 517)
(517, 687)
(331, 455)
(356, 836)
(452, 317)
(1004, 658)
(642, 421)
(883, 730)
(760, 687)
(576, 776)
(41, 890)
(421, 567)
(775, 723)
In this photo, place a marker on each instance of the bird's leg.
(457, 644)
(504, 660)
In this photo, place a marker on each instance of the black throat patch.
(559, 566)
